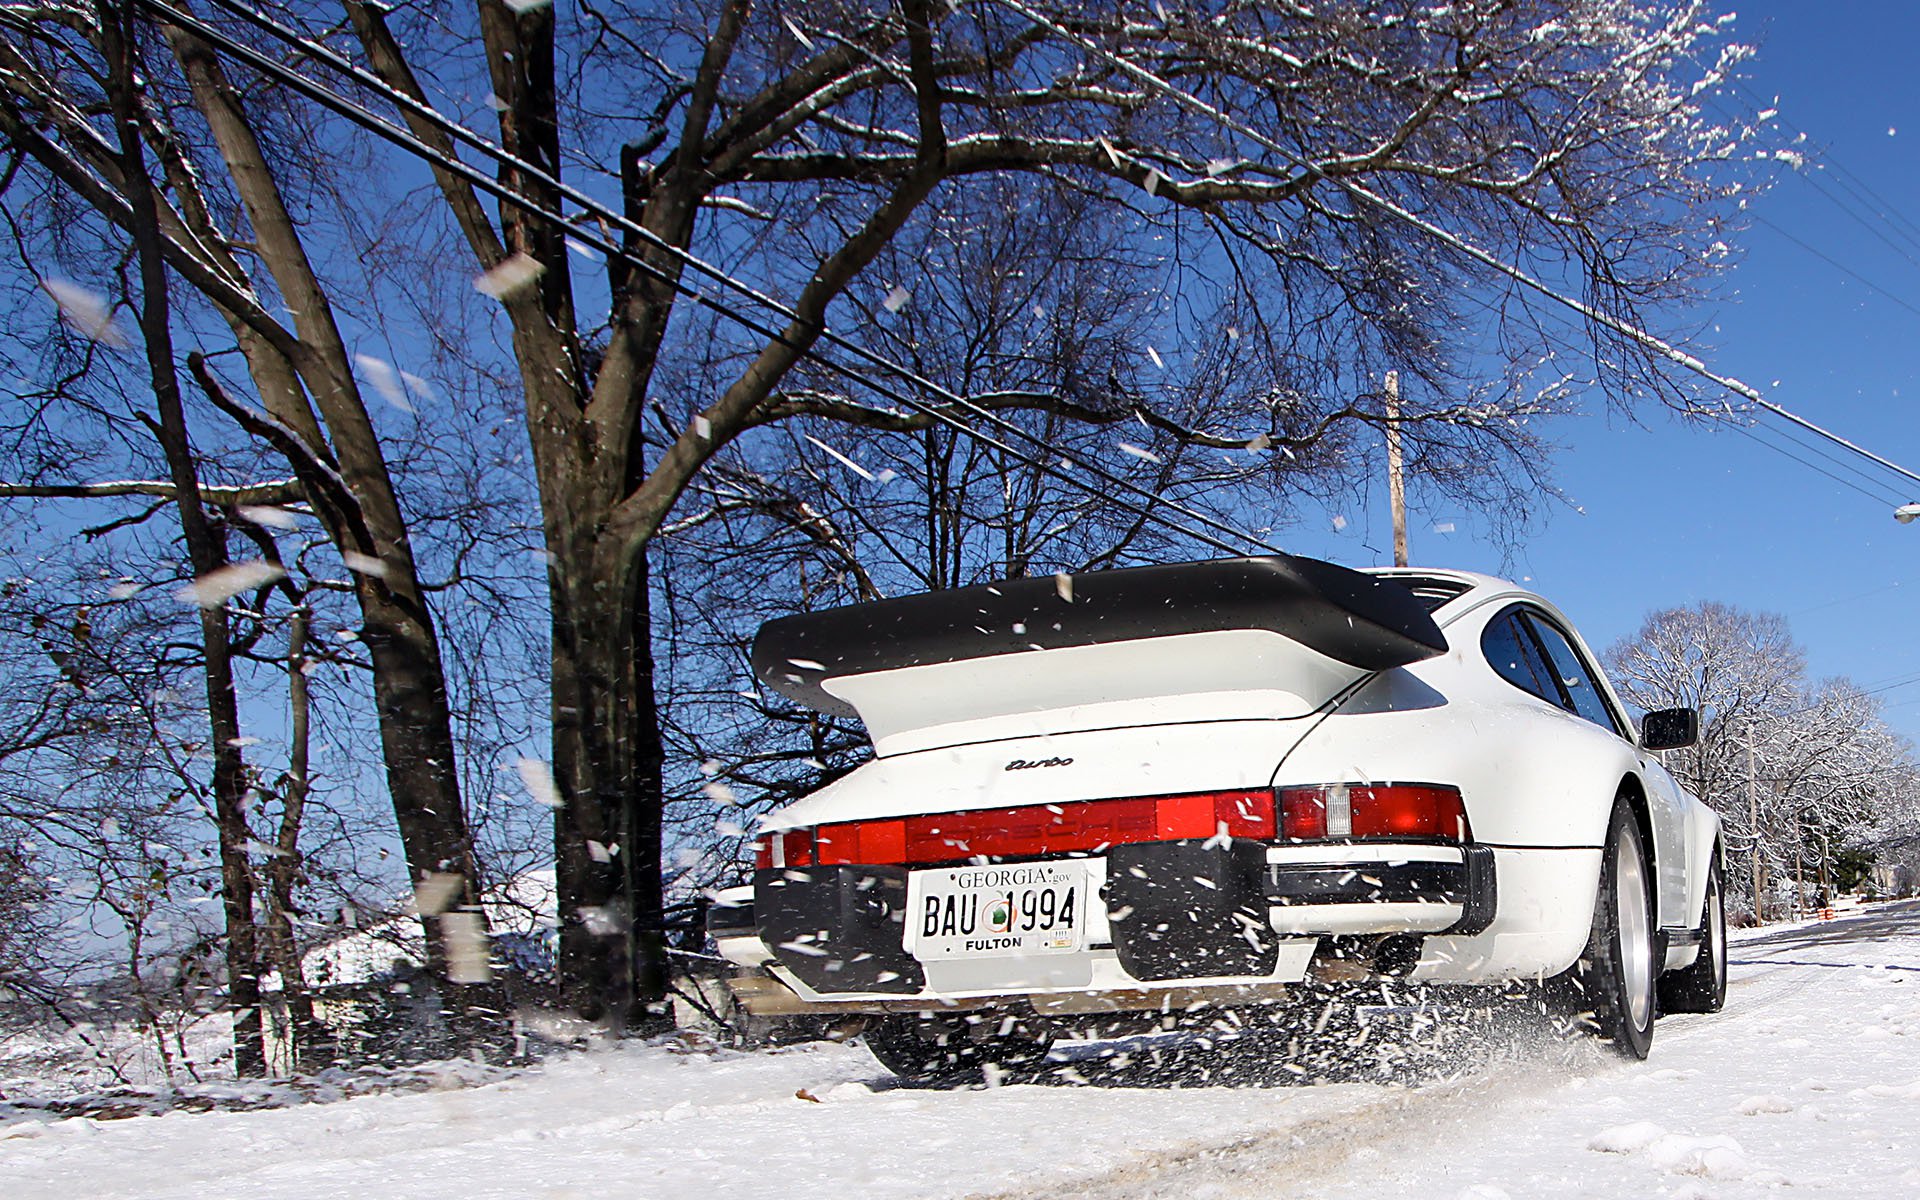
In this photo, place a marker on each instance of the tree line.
(1811, 784)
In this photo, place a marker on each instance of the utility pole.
(1798, 885)
(1753, 823)
(1396, 484)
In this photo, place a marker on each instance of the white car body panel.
(1236, 674)
(1250, 709)
(1453, 719)
(1142, 758)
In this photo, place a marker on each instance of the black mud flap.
(1483, 892)
(1190, 909)
(838, 929)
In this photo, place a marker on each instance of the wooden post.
(1396, 483)
(1753, 821)
(1799, 885)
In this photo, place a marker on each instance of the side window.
(1574, 677)
(1514, 655)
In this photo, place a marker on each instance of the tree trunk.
(607, 839)
(206, 549)
(347, 475)
(313, 1046)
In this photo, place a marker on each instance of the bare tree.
(793, 147)
(1797, 771)
(231, 246)
(1739, 669)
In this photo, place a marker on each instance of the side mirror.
(1670, 728)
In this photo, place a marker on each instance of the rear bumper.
(1412, 889)
(1181, 914)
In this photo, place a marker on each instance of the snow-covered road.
(1808, 1082)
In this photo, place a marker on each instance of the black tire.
(1702, 987)
(1611, 990)
(950, 1050)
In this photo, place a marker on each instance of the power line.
(1787, 153)
(1861, 190)
(1851, 466)
(1908, 681)
(1646, 340)
(403, 138)
(1860, 482)
(1841, 267)
(1746, 432)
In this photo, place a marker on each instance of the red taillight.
(862, 842)
(794, 848)
(1211, 814)
(1031, 831)
(1413, 810)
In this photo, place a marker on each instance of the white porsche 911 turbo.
(1206, 784)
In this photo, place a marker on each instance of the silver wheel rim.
(1636, 933)
(1717, 938)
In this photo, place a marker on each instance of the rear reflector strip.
(1026, 832)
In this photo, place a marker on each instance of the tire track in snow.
(1300, 1159)
(1294, 1159)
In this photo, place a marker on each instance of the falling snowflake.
(436, 893)
(468, 954)
(509, 277)
(384, 379)
(269, 517)
(896, 299)
(1339, 523)
(1139, 452)
(85, 311)
(364, 564)
(843, 460)
(537, 777)
(599, 920)
(217, 587)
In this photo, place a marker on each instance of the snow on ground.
(1803, 1088)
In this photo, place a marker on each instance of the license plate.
(999, 911)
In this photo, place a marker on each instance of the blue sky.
(1674, 514)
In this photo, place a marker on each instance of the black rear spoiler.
(1362, 620)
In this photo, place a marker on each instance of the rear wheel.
(1702, 987)
(940, 1049)
(1611, 989)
